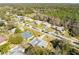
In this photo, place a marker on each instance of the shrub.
(37, 51)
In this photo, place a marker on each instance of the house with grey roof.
(26, 35)
(38, 42)
(18, 50)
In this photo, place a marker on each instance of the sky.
(39, 1)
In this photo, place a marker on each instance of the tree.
(37, 51)
(62, 47)
(4, 48)
(18, 30)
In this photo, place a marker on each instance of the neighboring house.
(47, 25)
(18, 50)
(27, 18)
(38, 42)
(19, 17)
(17, 53)
(24, 18)
(12, 30)
(60, 29)
(27, 25)
(37, 29)
(37, 22)
(2, 40)
(26, 35)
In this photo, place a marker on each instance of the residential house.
(38, 42)
(18, 50)
(47, 25)
(27, 18)
(20, 17)
(12, 31)
(2, 40)
(27, 35)
(37, 22)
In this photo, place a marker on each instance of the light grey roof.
(26, 35)
(17, 51)
(20, 16)
(38, 42)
